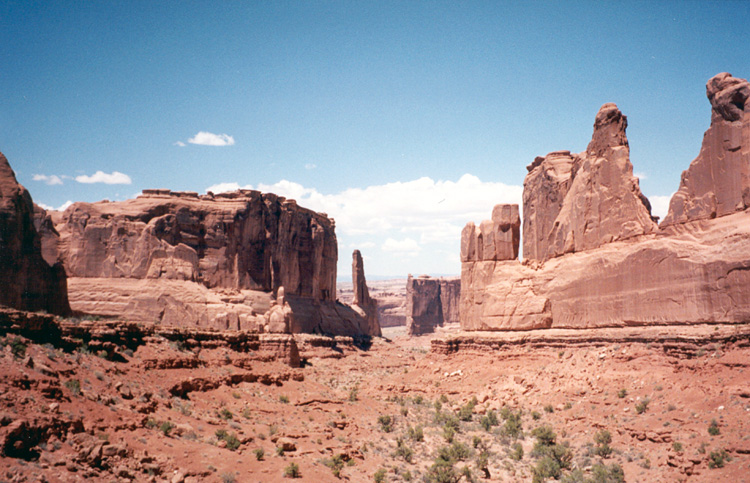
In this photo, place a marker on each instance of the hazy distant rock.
(430, 303)
(27, 281)
(717, 182)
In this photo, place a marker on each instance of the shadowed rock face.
(595, 258)
(430, 302)
(582, 201)
(717, 182)
(27, 281)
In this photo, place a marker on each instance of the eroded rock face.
(495, 239)
(595, 258)
(431, 302)
(239, 240)
(27, 281)
(579, 202)
(362, 301)
(717, 182)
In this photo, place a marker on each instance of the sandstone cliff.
(594, 257)
(717, 182)
(363, 303)
(430, 303)
(27, 281)
(217, 261)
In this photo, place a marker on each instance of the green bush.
(336, 464)
(602, 439)
(607, 474)
(379, 476)
(713, 428)
(166, 427)
(386, 423)
(416, 433)
(292, 471)
(516, 452)
(716, 459)
(549, 409)
(489, 420)
(226, 414)
(259, 454)
(642, 406)
(403, 451)
(230, 438)
(622, 393)
(74, 385)
(513, 427)
(284, 399)
(677, 446)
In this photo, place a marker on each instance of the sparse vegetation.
(74, 385)
(677, 446)
(284, 399)
(713, 428)
(225, 414)
(379, 476)
(259, 454)
(602, 439)
(292, 471)
(415, 433)
(386, 423)
(336, 464)
(166, 427)
(716, 459)
(622, 393)
(230, 438)
(642, 405)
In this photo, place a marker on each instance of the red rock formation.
(580, 202)
(430, 303)
(215, 261)
(604, 262)
(363, 303)
(495, 239)
(27, 281)
(717, 182)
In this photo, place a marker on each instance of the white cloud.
(180, 144)
(640, 176)
(310, 166)
(62, 207)
(101, 177)
(423, 217)
(50, 180)
(204, 138)
(407, 246)
(660, 205)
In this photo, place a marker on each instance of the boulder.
(717, 183)
(28, 281)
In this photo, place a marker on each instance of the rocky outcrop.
(717, 183)
(594, 257)
(211, 261)
(430, 303)
(366, 306)
(28, 282)
(495, 239)
(578, 202)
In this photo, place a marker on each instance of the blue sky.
(402, 120)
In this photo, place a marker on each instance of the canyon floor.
(674, 401)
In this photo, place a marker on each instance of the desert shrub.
(602, 439)
(228, 478)
(74, 385)
(483, 463)
(516, 452)
(415, 433)
(535, 415)
(230, 438)
(449, 433)
(336, 464)
(284, 399)
(166, 427)
(442, 472)
(443, 398)
(292, 471)
(607, 474)
(403, 451)
(404, 411)
(642, 406)
(259, 454)
(386, 423)
(545, 435)
(677, 446)
(418, 400)
(379, 476)
(622, 393)
(455, 452)
(489, 420)
(225, 413)
(354, 394)
(546, 467)
(553, 457)
(17, 347)
(549, 409)
(467, 410)
(713, 428)
(716, 459)
(476, 441)
(512, 427)
(438, 406)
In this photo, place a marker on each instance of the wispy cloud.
(115, 177)
(407, 246)
(204, 138)
(640, 176)
(310, 166)
(180, 144)
(48, 179)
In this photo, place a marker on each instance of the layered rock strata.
(27, 280)
(430, 303)
(594, 257)
(213, 261)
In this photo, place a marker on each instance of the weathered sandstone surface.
(495, 239)
(216, 261)
(594, 257)
(430, 303)
(717, 182)
(365, 305)
(27, 281)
